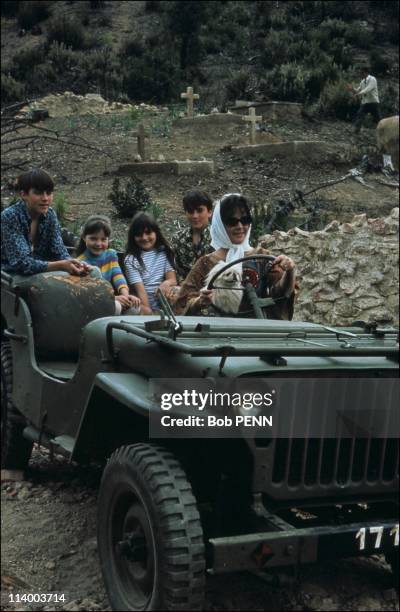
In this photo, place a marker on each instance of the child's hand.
(134, 301)
(76, 267)
(166, 288)
(124, 300)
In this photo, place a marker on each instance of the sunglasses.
(232, 221)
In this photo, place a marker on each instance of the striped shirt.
(108, 265)
(152, 274)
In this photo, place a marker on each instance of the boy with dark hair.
(194, 241)
(30, 233)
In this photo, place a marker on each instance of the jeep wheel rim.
(133, 549)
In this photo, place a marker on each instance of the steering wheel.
(251, 281)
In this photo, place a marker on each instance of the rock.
(12, 475)
(367, 603)
(390, 595)
(50, 565)
(24, 494)
(328, 604)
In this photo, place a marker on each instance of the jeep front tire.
(150, 537)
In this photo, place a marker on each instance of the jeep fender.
(117, 412)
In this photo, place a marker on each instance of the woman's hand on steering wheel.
(285, 263)
(205, 297)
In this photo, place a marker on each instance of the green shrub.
(9, 8)
(320, 69)
(344, 10)
(25, 60)
(337, 101)
(30, 13)
(278, 20)
(340, 53)
(263, 12)
(11, 89)
(156, 210)
(238, 86)
(131, 199)
(336, 28)
(242, 16)
(132, 48)
(358, 36)
(299, 50)
(61, 57)
(389, 97)
(288, 83)
(102, 67)
(105, 21)
(210, 45)
(61, 206)
(379, 64)
(68, 31)
(153, 77)
(393, 31)
(327, 32)
(41, 77)
(296, 24)
(277, 46)
(317, 78)
(154, 6)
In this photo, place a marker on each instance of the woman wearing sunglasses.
(230, 233)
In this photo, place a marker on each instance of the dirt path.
(49, 546)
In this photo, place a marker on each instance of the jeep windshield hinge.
(168, 320)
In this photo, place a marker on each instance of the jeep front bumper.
(260, 551)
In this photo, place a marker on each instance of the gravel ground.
(49, 546)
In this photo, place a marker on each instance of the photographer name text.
(213, 421)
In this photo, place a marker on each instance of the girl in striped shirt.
(149, 262)
(94, 249)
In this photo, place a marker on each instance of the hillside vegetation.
(148, 51)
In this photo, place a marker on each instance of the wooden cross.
(253, 118)
(189, 96)
(141, 135)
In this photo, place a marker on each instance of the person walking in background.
(368, 92)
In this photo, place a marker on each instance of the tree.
(185, 22)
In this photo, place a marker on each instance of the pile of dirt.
(68, 104)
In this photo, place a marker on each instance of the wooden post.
(141, 135)
(189, 96)
(253, 118)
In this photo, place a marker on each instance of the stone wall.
(347, 271)
(270, 111)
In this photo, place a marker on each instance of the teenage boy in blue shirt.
(30, 233)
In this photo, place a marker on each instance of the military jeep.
(77, 379)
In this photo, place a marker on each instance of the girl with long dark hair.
(149, 262)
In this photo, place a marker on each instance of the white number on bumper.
(378, 530)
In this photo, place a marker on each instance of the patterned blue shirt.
(17, 253)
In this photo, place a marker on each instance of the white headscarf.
(219, 237)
